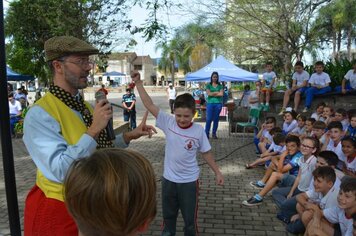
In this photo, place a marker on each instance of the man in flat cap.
(60, 128)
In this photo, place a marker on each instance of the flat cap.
(60, 46)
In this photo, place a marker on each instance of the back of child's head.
(335, 125)
(316, 144)
(326, 173)
(299, 63)
(185, 100)
(293, 139)
(348, 185)
(320, 104)
(330, 157)
(351, 113)
(247, 87)
(270, 120)
(319, 63)
(112, 192)
(319, 125)
(275, 130)
(279, 138)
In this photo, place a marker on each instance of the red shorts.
(264, 90)
(47, 216)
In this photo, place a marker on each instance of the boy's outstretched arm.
(145, 98)
(208, 157)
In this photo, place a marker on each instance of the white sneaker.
(305, 109)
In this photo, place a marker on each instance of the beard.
(76, 82)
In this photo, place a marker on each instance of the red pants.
(47, 216)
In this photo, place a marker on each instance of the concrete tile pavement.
(220, 209)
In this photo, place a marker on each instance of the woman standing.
(215, 93)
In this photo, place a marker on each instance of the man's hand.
(142, 130)
(101, 115)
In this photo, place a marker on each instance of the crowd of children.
(310, 167)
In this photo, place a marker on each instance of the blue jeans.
(311, 91)
(130, 115)
(181, 196)
(212, 114)
(287, 206)
(347, 87)
(13, 121)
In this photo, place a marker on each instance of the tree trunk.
(349, 42)
(334, 46)
(339, 38)
(172, 72)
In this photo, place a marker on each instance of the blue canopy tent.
(227, 72)
(114, 73)
(13, 76)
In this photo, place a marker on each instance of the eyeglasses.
(306, 146)
(83, 62)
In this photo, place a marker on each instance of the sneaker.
(266, 108)
(252, 202)
(283, 218)
(282, 112)
(257, 185)
(215, 137)
(305, 109)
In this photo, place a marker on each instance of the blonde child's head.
(112, 192)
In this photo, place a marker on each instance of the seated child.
(244, 101)
(324, 194)
(287, 163)
(319, 131)
(341, 214)
(349, 150)
(263, 138)
(268, 84)
(300, 129)
(349, 77)
(333, 141)
(308, 128)
(341, 115)
(319, 84)
(112, 192)
(181, 170)
(328, 114)
(254, 97)
(288, 207)
(290, 122)
(276, 148)
(299, 85)
(319, 111)
(351, 130)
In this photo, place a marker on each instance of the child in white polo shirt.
(349, 77)
(319, 84)
(181, 171)
(349, 150)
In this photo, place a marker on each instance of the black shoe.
(252, 202)
(215, 137)
(284, 219)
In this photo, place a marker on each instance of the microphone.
(100, 95)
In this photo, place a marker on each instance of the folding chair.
(252, 122)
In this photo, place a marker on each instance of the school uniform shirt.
(253, 95)
(315, 116)
(345, 124)
(294, 162)
(276, 148)
(128, 99)
(267, 135)
(182, 145)
(351, 131)
(338, 150)
(298, 130)
(319, 79)
(306, 168)
(350, 164)
(15, 107)
(171, 93)
(327, 201)
(300, 77)
(351, 77)
(288, 127)
(268, 77)
(337, 215)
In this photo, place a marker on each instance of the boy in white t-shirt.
(319, 84)
(181, 170)
(325, 220)
(299, 85)
(15, 112)
(269, 79)
(349, 77)
(349, 150)
(333, 141)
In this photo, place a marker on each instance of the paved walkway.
(220, 209)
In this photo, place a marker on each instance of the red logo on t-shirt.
(189, 143)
